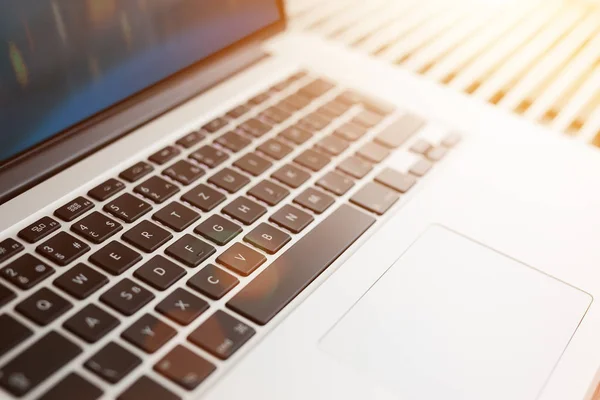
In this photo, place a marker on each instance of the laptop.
(198, 204)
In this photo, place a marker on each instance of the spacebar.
(295, 269)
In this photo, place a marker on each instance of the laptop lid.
(75, 76)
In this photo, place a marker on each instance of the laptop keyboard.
(150, 219)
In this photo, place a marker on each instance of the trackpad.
(452, 319)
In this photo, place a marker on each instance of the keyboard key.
(233, 141)
(259, 99)
(146, 388)
(184, 368)
(74, 209)
(396, 134)
(380, 107)
(190, 251)
(241, 259)
(297, 101)
(350, 131)
(312, 160)
(221, 335)
(106, 189)
(296, 135)
(165, 155)
(244, 210)
(373, 152)
(253, 164)
(63, 248)
(73, 383)
(314, 200)
(255, 127)
(291, 175)
(334, 109)
(355, 167)
(8, 248)
(39, 229)
(96, 227)
(127, 208)
(238, 111)
(26, 271)
(275, 115)
(216, 124)
(149, 333)
(451, 140)
(182, 307)
(229, 180)
(51, 353)
(184, 172)
(115, 258)
(396, 180)
(147, 236)
(333, 145)
(12, 333)
(317, 88)
(113, 363)
(159, 273)
(156, 189)
(191, 139)
(6, 295)
(336, 183)
(127, 297)
(213, 282)
(218, 229)
(136, 172)
(204, 197)
(91, 323)
(81, 281)
(316, 121)
(267, 238)
(375, 198)
(436, 153)
(269, 192)
(420, 146)
(43, 307)
(176, 216)
(209, 156)
(421, 167)
(275, 149)
(302, 263)
(367, 119)
(292, 218)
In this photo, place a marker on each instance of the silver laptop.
(197, 204)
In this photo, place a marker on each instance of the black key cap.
(375, 198)
(204, 197)
(396, 180)
(91, 323)
(74, 209)
(71, 384)
(312, 160)
(267, 238)
(182, 307)
(106, 189)
(350, 132)
(335, 183)
(221, 335)
(255, 127)
(115, 258)
(113, 363)
(149, 333)
(241, 259)
(355, 167)
(184, 368)
(209, 156)
(190, 251)
(317, 88)
(215, 125)
(96, 227)
(156, 189)
(291, 175)
(314, 200)
(259, 99)
(8, 248)
(373, 152)
(332, 145)
(43, 307)
(146, 388)
(218, 229)
(12, 333)
(6, 295)
(191, 139)
(165, 155)
(26, 271)
(296, 268)
(233, 141)
(39, 229)
(269, 192)
(184, 172)
(244, 210)
(147, 236)
(396, 134)
(128, 208)
(176, 216)
(296, 135)
(421, 167)
(229, 180)
(81, 281)
(52, 352)
(292, 218)
(127, 297)
(275, 115)
(275, 149)
(238, 111)
(367, 119)
(253, 164)
(159, 273)
(136, 172)
(63, 248)
(213, 282)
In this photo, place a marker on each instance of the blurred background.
(536, 58)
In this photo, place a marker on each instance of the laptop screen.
(62, 61)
